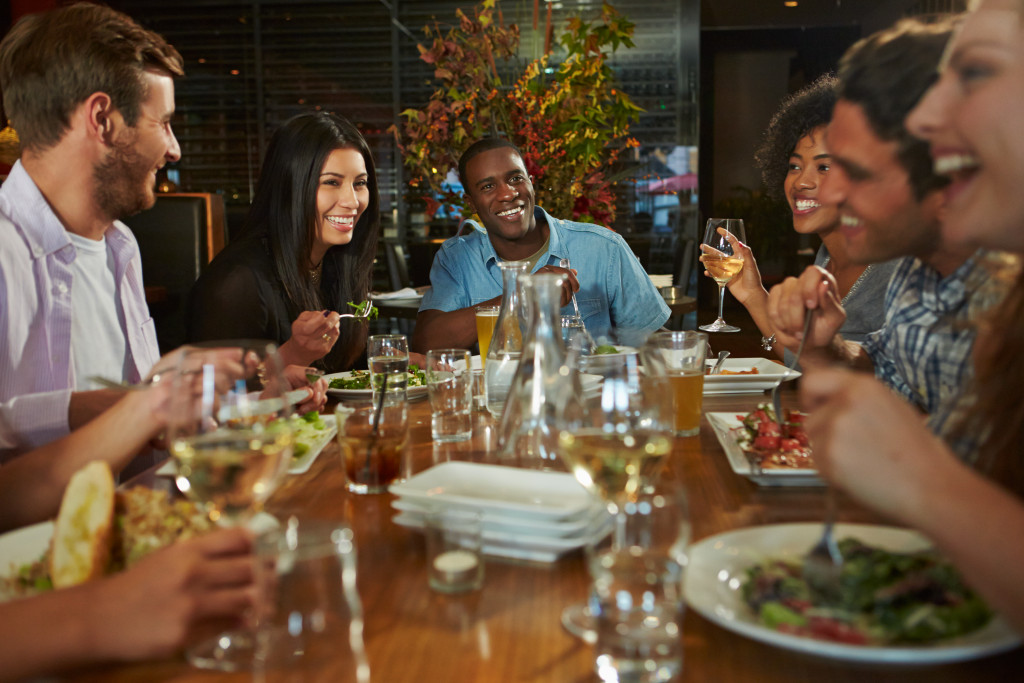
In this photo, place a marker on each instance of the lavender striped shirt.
(36, 374)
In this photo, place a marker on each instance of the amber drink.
(486, 316)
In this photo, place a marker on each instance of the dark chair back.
(178, 237)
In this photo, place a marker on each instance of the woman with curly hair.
(307, 249)
(793, 160)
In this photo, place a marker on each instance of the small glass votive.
(455, 562)
(479, 389)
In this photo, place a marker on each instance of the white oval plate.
(717, 568)
(413, 393)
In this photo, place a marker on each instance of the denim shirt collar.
(556, 245)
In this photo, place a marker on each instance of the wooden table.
(510, 630)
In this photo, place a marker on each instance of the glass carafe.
(507, 342)
(545, 381)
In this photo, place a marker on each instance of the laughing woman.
(794, 161)
(872, 445)
(306, 251)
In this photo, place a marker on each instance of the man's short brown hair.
(52, 62)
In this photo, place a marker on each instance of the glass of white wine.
(616, 442)
(231, 441)
(722, 263)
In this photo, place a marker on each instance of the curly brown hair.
(799, 113)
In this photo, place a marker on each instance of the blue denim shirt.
(615, 291)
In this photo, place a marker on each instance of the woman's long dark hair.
(284, 211)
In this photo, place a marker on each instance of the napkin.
(406, 293)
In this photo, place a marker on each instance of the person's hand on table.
(789, 301)
(747, 286)
(869, 442)
(570, 285)
(175, 597)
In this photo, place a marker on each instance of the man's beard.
(121, 182)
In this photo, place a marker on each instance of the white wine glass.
(231, 441)
(615, 441)
(720, 261)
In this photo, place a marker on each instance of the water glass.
(449, 376)
(455, 562)
(373, 441)
(678, 358)
(308, 613)
(388, 356)
(639, 618)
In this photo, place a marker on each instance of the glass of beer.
(678, 357)
(486, 316)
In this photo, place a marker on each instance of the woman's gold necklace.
(315, 273)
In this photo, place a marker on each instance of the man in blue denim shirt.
(613, 290)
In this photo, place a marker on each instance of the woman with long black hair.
(306, 251)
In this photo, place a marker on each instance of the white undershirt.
(97, 321)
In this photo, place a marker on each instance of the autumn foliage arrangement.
(568, 119)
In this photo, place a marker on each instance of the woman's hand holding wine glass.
(722, 261)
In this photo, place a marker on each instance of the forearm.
(84, 406)
(32, 485)
(444, 329)
(851, 354)
(977, 525)
(293, 354)
(757, 307)
(46, 633)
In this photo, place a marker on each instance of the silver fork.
(776, 399)
(564, 263)
(823, 564)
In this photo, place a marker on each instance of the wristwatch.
(768, 342)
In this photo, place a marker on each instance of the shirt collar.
(22, 201)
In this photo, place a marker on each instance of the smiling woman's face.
(808, 165)
(971, 117)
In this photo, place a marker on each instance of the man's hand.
(789, 301)
(570, 284)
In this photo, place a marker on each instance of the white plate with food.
(726, 426)
(310, 440)
(354, 385)
(745, 376)
(19, 550)
(311, 437)
(511, 491)
(521, 544)
(717, 571)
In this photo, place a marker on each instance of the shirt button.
(62, 288)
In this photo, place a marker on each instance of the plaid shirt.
(924, 350)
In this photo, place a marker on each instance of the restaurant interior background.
(707, 73)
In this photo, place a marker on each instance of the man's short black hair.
(478, 147)
(886, 74)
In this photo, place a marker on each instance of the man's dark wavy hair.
(798, 114)
(886, 74)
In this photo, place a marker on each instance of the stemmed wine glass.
(722, 263)
(231, 441)
(615, 442)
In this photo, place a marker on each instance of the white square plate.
(520, 546)
(725, 425)
(495, 520)
(768, 374)
(509, 490)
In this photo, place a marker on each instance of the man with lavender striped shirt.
(92, 110)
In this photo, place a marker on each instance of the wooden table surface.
(510, 630)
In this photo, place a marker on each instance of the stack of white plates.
(525, 514)
(661, 280)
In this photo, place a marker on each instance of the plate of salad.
(313, 432)
(899, 603)
(355, 384)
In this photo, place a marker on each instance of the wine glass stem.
(721, 301)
